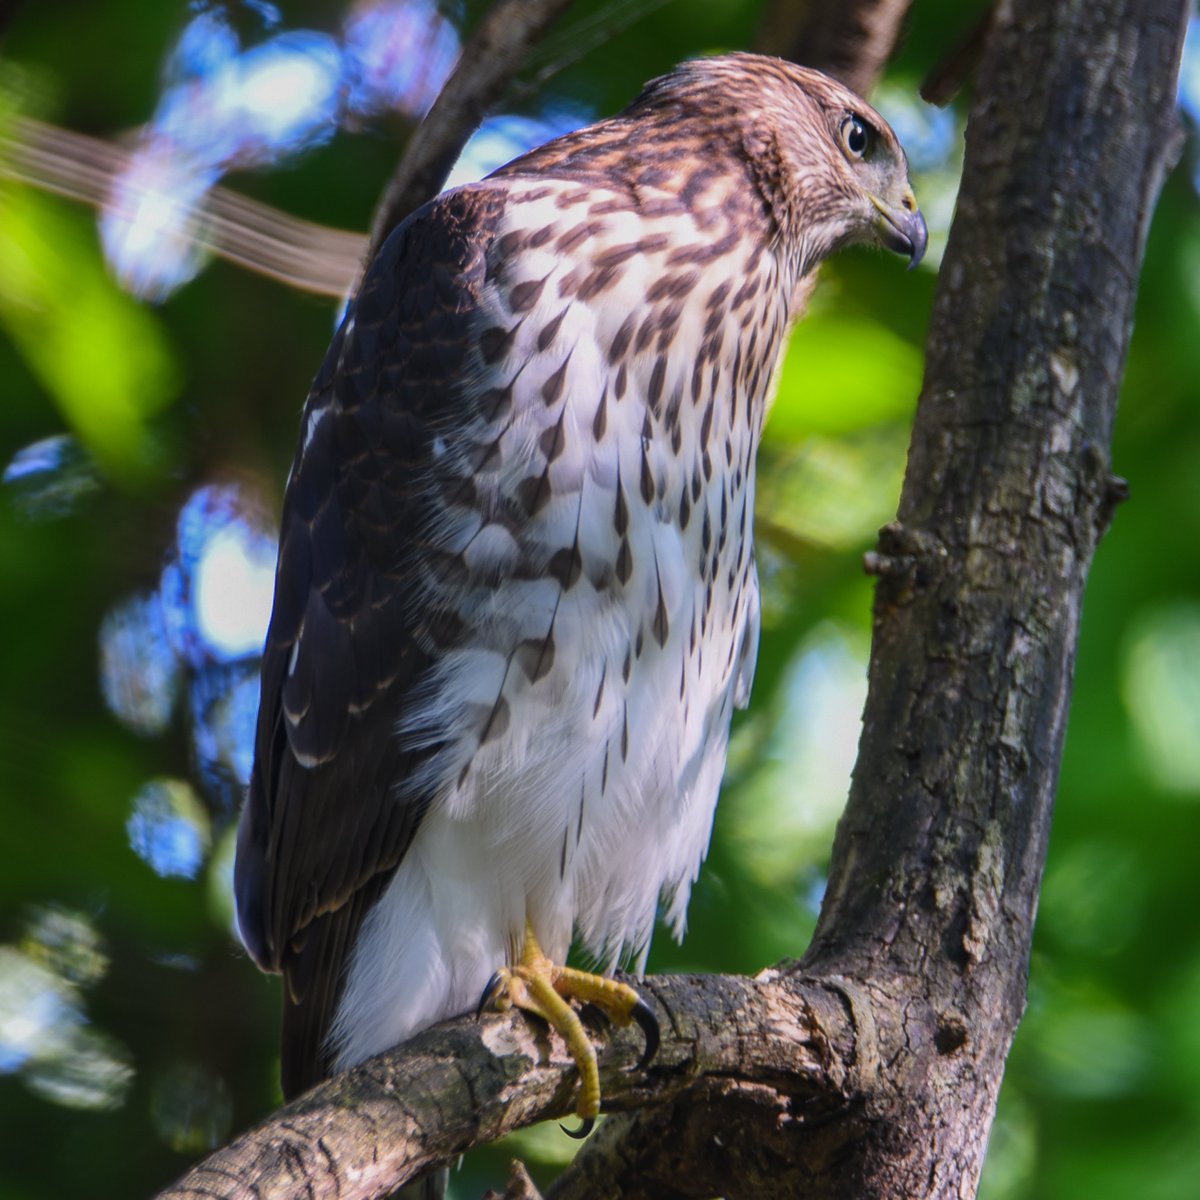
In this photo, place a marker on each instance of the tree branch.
(948, 76)
(466, 1082)
(851, 41)
(495, 50)
(871, 1068)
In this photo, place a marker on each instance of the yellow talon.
(540, 986)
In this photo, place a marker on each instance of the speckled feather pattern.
(595, 554)
(517, 601)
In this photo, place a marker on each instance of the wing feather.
(325, 823)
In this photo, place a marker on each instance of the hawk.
(516, 600)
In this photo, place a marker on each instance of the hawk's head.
(829, 165)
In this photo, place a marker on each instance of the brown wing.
(325, 824)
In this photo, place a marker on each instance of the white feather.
(596, 801)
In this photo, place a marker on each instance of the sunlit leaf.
(843, 373)
(100, 357)
(1162, 693)
(833, 491)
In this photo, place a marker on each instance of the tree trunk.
(871, 1067)
(938, 860)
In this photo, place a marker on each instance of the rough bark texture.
(761, 1042)
(871, 1068)
(938, 860)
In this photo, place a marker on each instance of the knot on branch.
(905, 560)
(1102, 490)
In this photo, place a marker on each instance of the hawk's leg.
(538, 985)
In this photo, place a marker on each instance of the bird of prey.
(516, 599)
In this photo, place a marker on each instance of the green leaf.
(102, 358)
(842, 374)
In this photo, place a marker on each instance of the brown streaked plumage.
(516, 599)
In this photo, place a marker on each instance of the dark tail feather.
(314, 970)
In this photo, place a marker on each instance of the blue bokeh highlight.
(228, 106)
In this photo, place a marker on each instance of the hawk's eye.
(856, 136)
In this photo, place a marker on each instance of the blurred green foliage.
(64, 316)
(134, 1034)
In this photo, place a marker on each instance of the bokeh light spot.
(44, 1036)
(929, 134)
(94, 1074)
(50, 478)
(502, 138)
(397, 57)
(217, 591)
(149, 227)
(795, 790)
(234, 584)
(1189, 85)
(227, 107)
(139, 674)
(36, 1018)
(169, 828)
(285, 94)
(1161, 689)
(67, 942)
(224, 712)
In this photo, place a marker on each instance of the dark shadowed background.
(149, 397)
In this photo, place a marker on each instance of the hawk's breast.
(595, 549)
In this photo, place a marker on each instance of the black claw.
(489, 992)
(643, 1014)
(586, 1127)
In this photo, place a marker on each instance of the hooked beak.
(902, 228)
